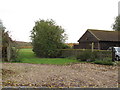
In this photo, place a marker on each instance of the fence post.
(92, 46)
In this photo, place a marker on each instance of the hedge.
(76, 52)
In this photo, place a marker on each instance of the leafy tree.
(6, 41)
(47, 38)
(116, 25)
(1, 25)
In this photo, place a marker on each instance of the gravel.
(75, 75)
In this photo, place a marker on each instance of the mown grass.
(28, 56)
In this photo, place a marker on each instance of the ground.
(74, 75)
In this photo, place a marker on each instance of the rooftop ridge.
(100, 30)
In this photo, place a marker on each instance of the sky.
(75, 16)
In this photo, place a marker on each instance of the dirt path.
(76, 75)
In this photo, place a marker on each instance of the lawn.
(28, 56)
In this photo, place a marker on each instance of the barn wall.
(88, 37)
(87, 45)
(85, 42)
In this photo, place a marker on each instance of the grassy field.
(28, 56)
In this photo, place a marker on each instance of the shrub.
(15, 54)
(104, 61)
(87, 55)
(96, 54)
(117, 63)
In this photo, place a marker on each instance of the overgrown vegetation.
(92, 57)
(97, 56)
(15, 53)
(47, 39)
(104, 61)
(87, 55)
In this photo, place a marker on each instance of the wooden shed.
(99, 39)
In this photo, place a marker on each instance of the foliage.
(6, 42)
(104, 61)
(117, 63)
(15, 54)
(4, 34)
(116, 25)
(87, 55)
(47, 38)
(27, 56)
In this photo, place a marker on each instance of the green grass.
(28, 56)
(104, 61)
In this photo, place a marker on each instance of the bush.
(87, 55)
(96, 54)
(117, 63)
(15, 54)
(105, 61)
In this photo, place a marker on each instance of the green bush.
(87, 55)
(96, 54)
(104, 61)
(15, 54)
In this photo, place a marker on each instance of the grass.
(28, 56)
(105, 62)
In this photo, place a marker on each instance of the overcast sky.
(75, 16)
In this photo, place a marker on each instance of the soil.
(76, 75)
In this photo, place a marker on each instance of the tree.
(7, 52)
(116, 25)
(47, 38)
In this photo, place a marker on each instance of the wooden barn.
(98, 39)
